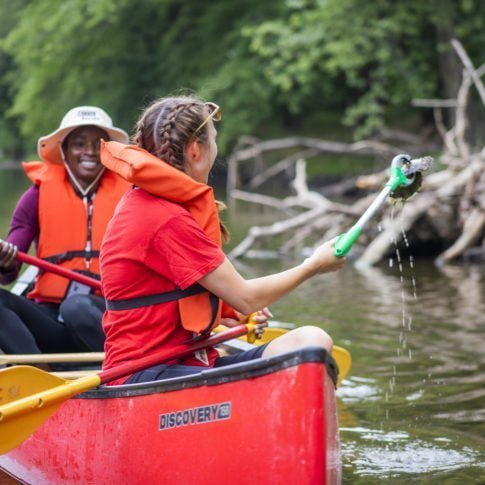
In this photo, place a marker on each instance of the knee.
(308, 336)
(73, 302)
(74, 307)
(312, 336)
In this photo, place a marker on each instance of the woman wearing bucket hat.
(65, 213)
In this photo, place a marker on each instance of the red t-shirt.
(151, 246)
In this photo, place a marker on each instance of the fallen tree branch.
(276, 228)
(472, 231)
(393, 229)
(260, 199)
(281, 166)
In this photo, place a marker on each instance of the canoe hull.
(272, 421)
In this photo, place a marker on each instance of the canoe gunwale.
(215, 376)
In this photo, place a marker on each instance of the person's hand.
(260, 321)
(8, 255)
(323, 260)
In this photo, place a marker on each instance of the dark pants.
(82, 315)
(27, 327)
(161, 371)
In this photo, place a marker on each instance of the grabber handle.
(345, 241)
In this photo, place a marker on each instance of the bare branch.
(282, 165)
(461, 120)
(259, 199)
(472, 231)
(469, 67)
(364, 147)
(434, 103)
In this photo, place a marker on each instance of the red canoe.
(269, 421)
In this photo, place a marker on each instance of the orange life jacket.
(64, 236)
(146, 171)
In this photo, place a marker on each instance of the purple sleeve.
(24, 228)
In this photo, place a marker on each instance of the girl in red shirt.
(156, 244)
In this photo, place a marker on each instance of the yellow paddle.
(28, 396)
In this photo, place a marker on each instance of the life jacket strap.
(149, 300)
(68, 255)
(85, 272)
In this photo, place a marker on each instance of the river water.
(412, 409)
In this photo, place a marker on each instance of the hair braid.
(169, 143)
(167, 125)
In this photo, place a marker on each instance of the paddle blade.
(17, 429)
(28, 396)
(344, 361)
(23, 381)
(17, 383)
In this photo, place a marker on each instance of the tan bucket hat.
(49, 146)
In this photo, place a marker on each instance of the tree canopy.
(273, 66)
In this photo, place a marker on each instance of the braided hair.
(168, 124)
(165, 128)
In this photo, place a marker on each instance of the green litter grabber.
(405, 180)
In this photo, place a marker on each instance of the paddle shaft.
(59, 270)
(341, 356)
(50, 358)
(178, 351)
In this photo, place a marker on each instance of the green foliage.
(120, 55)
(10, 140)
(385, 51)
(271, 65)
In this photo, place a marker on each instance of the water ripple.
(398, 456)
(358, 389)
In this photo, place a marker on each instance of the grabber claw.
(407, 175)
(404, 181)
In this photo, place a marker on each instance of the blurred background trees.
(337, 69)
